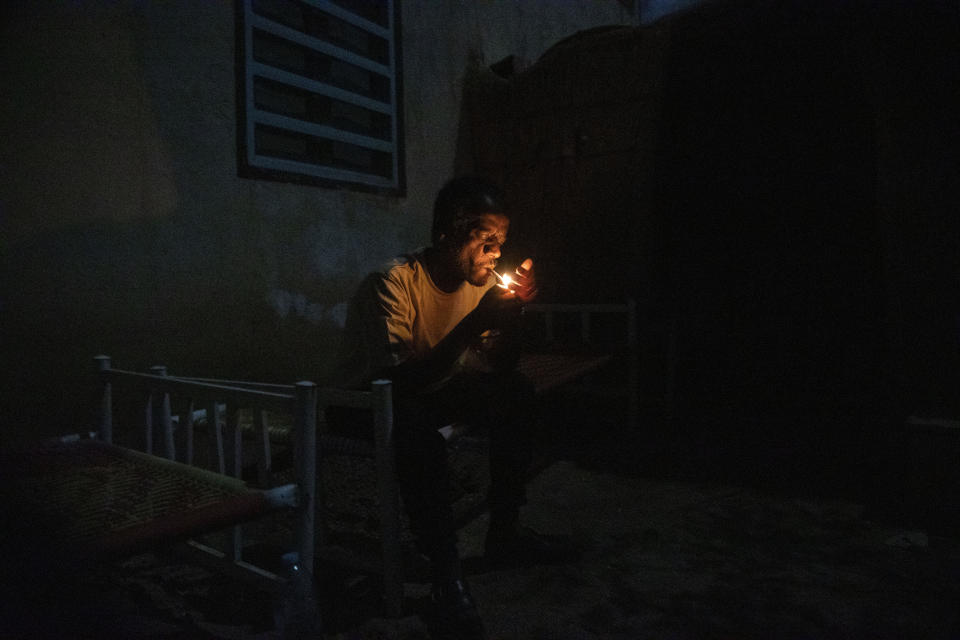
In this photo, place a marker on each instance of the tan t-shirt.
(399, 314)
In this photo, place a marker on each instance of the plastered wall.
(126, 231)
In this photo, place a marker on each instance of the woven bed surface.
(550, 370)
(86, 491)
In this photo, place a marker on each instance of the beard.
(478, 276)
(474, 273)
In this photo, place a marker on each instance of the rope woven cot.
(97, 499)
(280, 430)
(549, 370)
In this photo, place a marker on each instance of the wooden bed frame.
(186, 501)
(84, 499)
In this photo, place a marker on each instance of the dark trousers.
(502, 404)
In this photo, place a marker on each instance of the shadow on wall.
(83, 131)
(139, 293)
(124, 227)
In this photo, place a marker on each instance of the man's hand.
(524, 284)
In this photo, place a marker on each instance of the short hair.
(461, 202)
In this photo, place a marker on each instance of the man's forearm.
(417, 373)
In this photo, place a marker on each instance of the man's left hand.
(524, 284)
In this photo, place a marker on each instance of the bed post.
(235, 452)
(106, 402)
(670, 394)
(306, 460)
(264, 461)
(163, 407)
(389, 498)
(213, 421)
(633, 366)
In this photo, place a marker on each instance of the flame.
(505, 280)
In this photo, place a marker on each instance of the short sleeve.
(391, 322)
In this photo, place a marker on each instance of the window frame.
(252, 165)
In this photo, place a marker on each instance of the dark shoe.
(455, 614)
(524, 547)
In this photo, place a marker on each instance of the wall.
(771, 179)
(126, 231)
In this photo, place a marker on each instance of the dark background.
(776, 185)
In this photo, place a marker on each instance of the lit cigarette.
(504, 280)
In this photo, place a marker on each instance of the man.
(437, 324)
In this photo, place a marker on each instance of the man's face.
(480, 251)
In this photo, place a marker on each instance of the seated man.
(436, 324)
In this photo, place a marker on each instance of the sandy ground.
(662, 559)
(671, 548)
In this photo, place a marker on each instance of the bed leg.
(163, 414)
(305, 617)
(389, 498)
(106, 404)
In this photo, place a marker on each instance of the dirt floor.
(671, 549)
(661, 559)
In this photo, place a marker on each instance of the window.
(319, 97)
